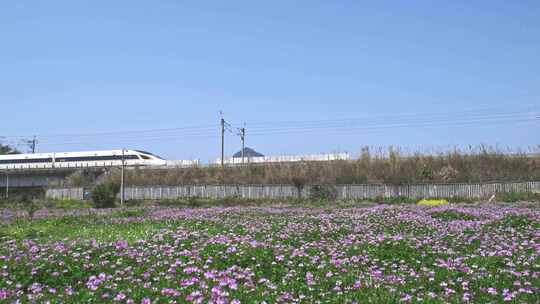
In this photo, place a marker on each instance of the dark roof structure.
(248, 152)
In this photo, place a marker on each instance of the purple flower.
(120, 296)
(146, 301)
(4, 294)
(121, 244)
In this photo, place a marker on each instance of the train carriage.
(109, 158)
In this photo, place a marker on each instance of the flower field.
(381, 254)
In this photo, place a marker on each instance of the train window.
(25, 161)
(95, 158)
(146, 157)
(144, 152)
(68, 159)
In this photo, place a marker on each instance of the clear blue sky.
(74, 67)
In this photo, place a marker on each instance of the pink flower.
(406, 298)
(121, 244)
(3, 293)
(146, 301)
(309, 278)
(120, 296)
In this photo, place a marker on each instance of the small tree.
(297, 176)
(31, 208)
(104, 195)
(5, 149)
(323, 192)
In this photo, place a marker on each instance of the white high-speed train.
(110, 158)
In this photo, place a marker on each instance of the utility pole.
(7, 184)
(222, 140)
(30, 143)
(242, 134)
(122, 192)
(34, 145)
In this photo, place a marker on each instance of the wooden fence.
(469, 191)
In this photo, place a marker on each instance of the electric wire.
(358, 125)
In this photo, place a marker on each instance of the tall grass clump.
(392, 166)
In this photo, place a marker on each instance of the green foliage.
(16, 193)
(452, 215)
(83, 226)
(67, 204)
(104, 195)
(29, 205)
(134, 203)
(194, 202)
(8, 203)
(197, 202)
(457, 199)
(393, 200)
(129, 213)
(328, 256)
(515, 221)
(512, 197)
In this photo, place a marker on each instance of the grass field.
(381, 254)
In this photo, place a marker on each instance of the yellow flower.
(433, 202)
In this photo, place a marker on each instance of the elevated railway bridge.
(21, 178)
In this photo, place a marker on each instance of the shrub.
(66, 204)
(457, 199)
(134, 203)
(31, 207)
(194, 202)
(512, 197)
(393, 200)
(322, 192)
(104, 195)
(129, 213)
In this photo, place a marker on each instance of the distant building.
(248, 152)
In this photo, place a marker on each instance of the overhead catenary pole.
(34, 145)
(122, 192)
(243, 138)
(7, 184)
(222, 140)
